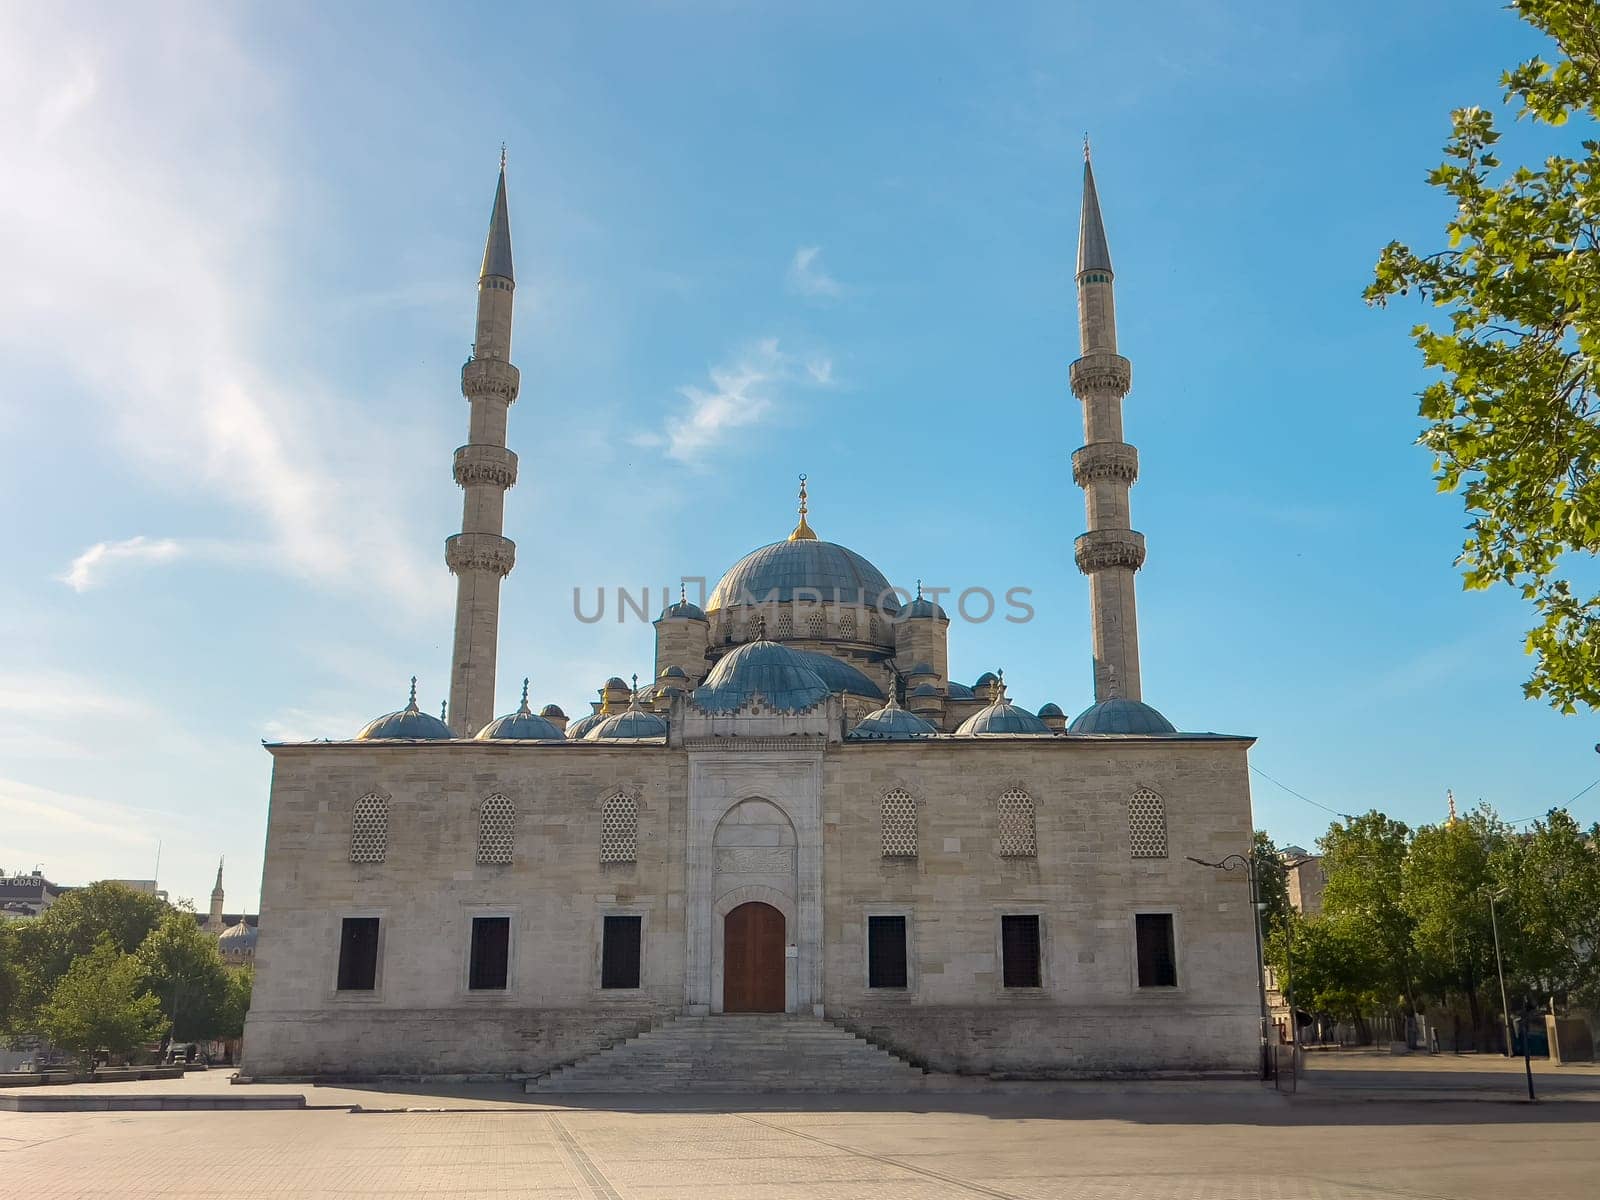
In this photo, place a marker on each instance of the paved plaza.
(1103, 1142)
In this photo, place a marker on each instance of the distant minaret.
(214, 921)
(1106, 466)
(479, 556)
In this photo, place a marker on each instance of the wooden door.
(752, 959)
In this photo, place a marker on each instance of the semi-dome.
(1119, 715)
(840, 676)
(524, 725)
(780, 678)
(630, 724)
(891, 723)
(806, 570)
(409, 724)
(1002, 717)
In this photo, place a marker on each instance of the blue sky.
(239, 251)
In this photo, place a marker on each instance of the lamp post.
(1500, 970)
(1232, 863)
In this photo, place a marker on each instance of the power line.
(1308, 799)
(1568, 804)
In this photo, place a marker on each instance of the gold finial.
(802, 532)
(1451, 797)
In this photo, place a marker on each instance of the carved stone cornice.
(490, 379)
(478, 464)
(1101, 549)
(1102, 462)
(1098, 373)
(480, 552)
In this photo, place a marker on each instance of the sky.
(238, 256)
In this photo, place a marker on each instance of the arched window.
(619, 828)
(899, 824)
(847, 626)
(496, 821)
(369, 829)
(785, 622)
(818, 623)
(1017, 837)
(1147, 824)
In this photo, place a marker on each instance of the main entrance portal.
(753, 959)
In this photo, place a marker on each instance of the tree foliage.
(180, 966)
(1514, 424)
(99, 1004)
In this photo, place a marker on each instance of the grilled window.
(619, 829)
(491, 953)
(817, 623)
(847, 626)
(1017, 835)
(899, 824)
(496, 820)
(1147, 825)
(619, 952)
(785, 623)
(1019, 949)
(872, 628)
(369, 829)
(886, 952)
(1158, 958)
(358, 954)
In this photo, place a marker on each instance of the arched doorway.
(753, 959)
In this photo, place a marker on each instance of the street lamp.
(1234, 862)
(1499, 966)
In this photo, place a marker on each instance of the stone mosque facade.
(801, 814)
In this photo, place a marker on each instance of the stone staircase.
(755, 1052)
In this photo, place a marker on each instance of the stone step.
(744, 1053)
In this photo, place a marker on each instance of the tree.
(1365, 859)
(13, 984)
(98, 1004)
(237, 1005)
(1514, 424)
(1272, 884)
(1550, 931)
(47, 945)
(180, 966)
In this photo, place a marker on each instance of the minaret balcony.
(1095, 374)
(480, 552)
(490, 379)
(1103, 462)
(483, 464)
(1103, 549)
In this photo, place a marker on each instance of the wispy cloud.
(741, 392)
(89, 569)
(110, 221)
(809, 277)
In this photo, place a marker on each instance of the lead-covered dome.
(780, 678)
(806, 570)
(409, 724)
(1001, 716)
(891, 723)
(628, 725)
(1119, 715)
(524, 725)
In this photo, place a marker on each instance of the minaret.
(214, 920)
(1106, 466)
(479, 556)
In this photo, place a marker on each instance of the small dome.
(627, 726)
(523, 725)
(986, 680)
(922, 668)
(1120, 716)
(409, 724)
(552, 712)
(1002, 717)
(616, 683)
(1051, 710)
(958, 691)
(682, 610)
(923, 607)
(925, 689)
(582, 725)
(673, 672)
(237, 938)
(776, 675)
(891, 723)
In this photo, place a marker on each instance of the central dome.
(817, 570)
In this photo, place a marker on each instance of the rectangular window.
(1019, 947)
(619, 953)
(358, 954)
(491, 953)
(1158, 960)
(886, 952)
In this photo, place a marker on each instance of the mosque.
(802, 815)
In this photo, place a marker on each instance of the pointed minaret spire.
(480, 556)
(1105, 466)
(214, 921)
